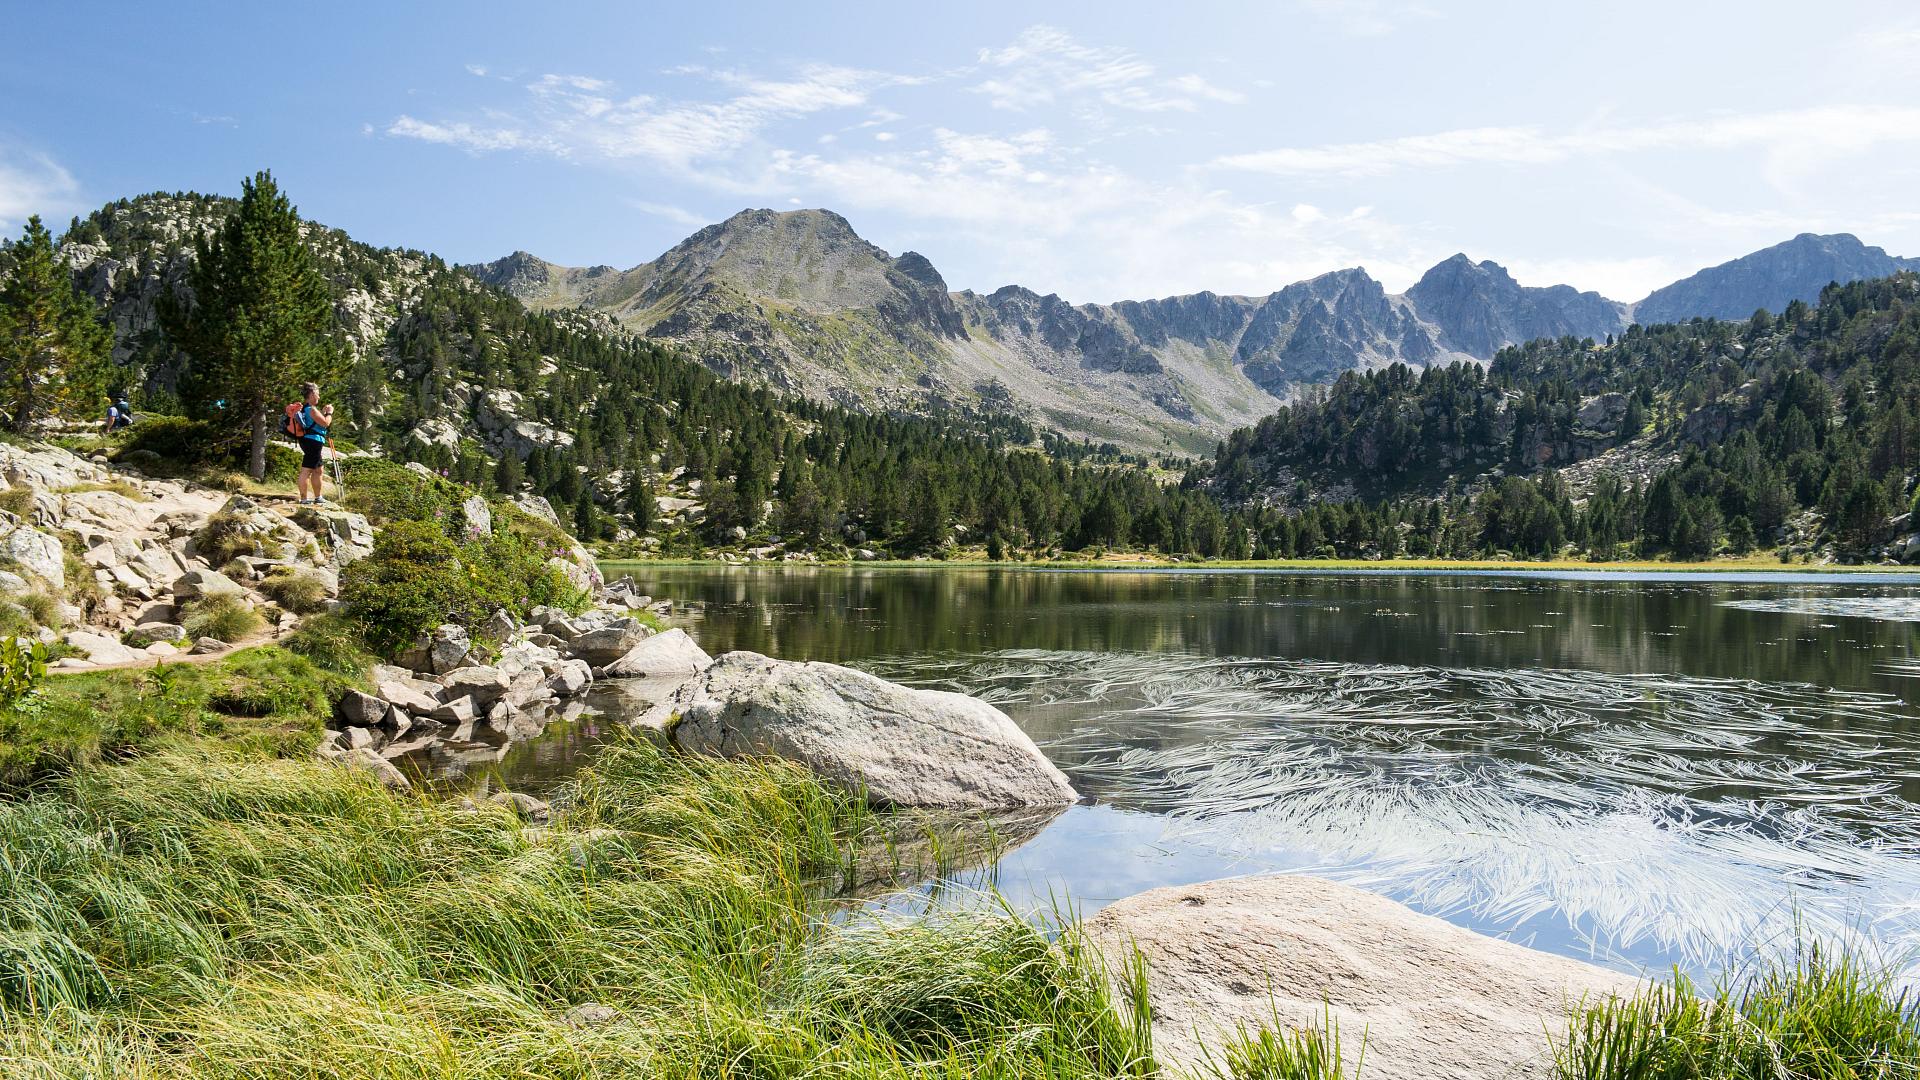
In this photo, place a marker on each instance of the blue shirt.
(316, 430)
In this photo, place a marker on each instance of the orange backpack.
(290, 425)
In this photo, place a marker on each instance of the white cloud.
(472, 139)
(477, 69)
(1305, 212)
(1793, 135)
(33, 183)
(1365, 18)
(883, 136)
(677, 215)
(1046, 65)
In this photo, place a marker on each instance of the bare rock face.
(1434, 1000)
(900, 746)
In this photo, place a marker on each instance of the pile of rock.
(150, 546)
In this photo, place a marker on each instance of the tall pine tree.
(260, 322)
(54, 349)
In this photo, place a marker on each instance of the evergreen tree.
(54, 348)
(642, 510)
(261, 321)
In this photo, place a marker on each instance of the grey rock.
(570, 677)
(500, 626)
(149, 632)
(485, 685)
(204, 645)
(458, 711)
(440, 651)
(357, 709)
(602, 647)
(1769, 279)
(197, 583)
(478, 518)
(368, 760)
(1434, 1000)
(357, 737)
(398, 686)
(101, 648)
(897, 745)
(526, 806)
(38, 554)
(669, 653)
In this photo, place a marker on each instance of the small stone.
(368, 760)
(360, 709)
(528, 807)
(205, 645)
(457, 711)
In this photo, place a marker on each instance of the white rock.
(570, 677)
(901, 746)
(479, 519)
(197, 583)
(1434, 1000)
(485, 685)
(37, 553)
(669, 653)
(101, 648)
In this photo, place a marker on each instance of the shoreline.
(1743, 567)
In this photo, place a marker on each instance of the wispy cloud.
(1366, 18)
(1046, 65)
(581, 116)
(676, 214)
(1793, 132)
(33, 183)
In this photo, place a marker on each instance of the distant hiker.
(308, 421)
(119, 414)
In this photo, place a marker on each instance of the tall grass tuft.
(1280, 1051)
(1823, 1015)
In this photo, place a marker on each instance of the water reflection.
(1648, 771)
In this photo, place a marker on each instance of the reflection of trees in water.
(847, 614)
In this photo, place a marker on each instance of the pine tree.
(54, 349)
(642, 509)
(261, 321)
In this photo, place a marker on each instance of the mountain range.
(799, 300)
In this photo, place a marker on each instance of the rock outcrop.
(899, 746)
(1433, 1000)
(669, 653)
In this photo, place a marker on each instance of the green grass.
(299, 592)
(265, 700)
(221, 616)
(1820, 1016)
(1280, 1051)
(198, 914)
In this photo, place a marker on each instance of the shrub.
(418, 578)
(331, 643)
(297, 591)
(17, 501)
(175, 440)
(224, 538)
(22, 666)
(222, 616)
(389, 491)
(44, 607)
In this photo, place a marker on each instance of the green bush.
(22, 666)
(222, 616)
(418, 578)
(297, 591)
(387, 490)
(173, 439)
(225, 537)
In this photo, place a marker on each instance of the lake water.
(1648, 770)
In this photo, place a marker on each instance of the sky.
(1102, 151)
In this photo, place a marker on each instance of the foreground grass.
(198, 914)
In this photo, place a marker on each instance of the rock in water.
(670, 653)
(902, 747)
(1433, 999)
(604, 646)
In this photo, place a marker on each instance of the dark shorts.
(310, 453)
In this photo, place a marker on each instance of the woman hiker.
(314, 419)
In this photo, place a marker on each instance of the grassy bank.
(197, 913)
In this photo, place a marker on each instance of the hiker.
(119, 414)
(308, 421)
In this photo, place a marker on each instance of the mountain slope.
(1769, 279)
(799, 300)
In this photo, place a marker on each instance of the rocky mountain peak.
(1770, 278)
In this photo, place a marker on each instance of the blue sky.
(1103, 151)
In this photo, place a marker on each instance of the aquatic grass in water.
(1669, 818)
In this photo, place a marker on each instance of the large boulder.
(38, 554)
(603, 646)
(1433, 1000)
(485, 685)
(670, 653)
(398, 686)
(476, 515)
(900, 746)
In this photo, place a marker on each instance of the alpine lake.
(1650, 771)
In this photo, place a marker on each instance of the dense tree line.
(1809, 410)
